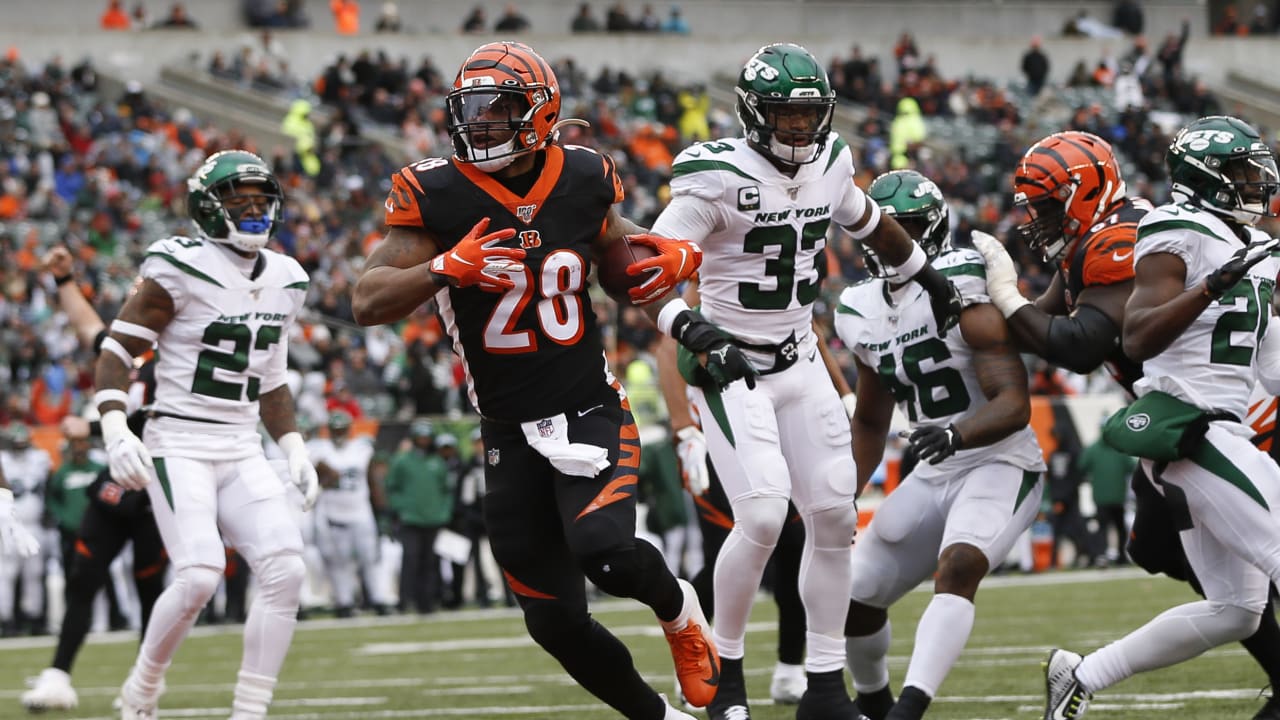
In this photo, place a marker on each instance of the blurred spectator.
(114, 17)
(346, 16)
(139, 14)
(475, 21)
(906, 132)
(1035, 67)
(1108, 471)
(511, 21)
(177, 19)
(675, 23)
(421, 502)
(1230, 23)
(1127, 16)
(274, 13)
(648, 21)
(1260, 25)
(388, 18)
(297, 125)
(617, 19)
(585, 21)
(1082, 25)
(1170, 52)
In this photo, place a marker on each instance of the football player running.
(347, 528)
(977, 486)
(1198, 320)
(502, 237)
(1081, 221)
(776, 430)
(218, 306)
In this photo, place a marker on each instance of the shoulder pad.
(408, 185)
(594, 163)
(967, 270)
(1108, 254)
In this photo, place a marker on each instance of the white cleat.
(135, 708)
(674, 713)
(1065, 697)
(789, 683)
(51, 690)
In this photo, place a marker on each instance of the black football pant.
(715, 520)
(102, 535)
(548, 530)
(1154, 546)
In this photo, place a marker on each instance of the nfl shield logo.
(493, 456)
(545, 428)
(525, 213)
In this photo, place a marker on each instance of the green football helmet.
(785, 103)
(225, 210)
(1223, 165)
(917, 204)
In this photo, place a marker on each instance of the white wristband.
(110, 395)
(668, 313)
(114, 424)
(292, 442)
(134, 330)
(850, 401)
(914, 263)
(113, 346)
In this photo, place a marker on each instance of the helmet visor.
(488, 113)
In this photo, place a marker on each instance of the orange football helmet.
(1068, 182)
(504, 103)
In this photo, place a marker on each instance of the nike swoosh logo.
(581, 413)
(714, 680)
(1121, 258)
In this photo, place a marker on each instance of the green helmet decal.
(234, 198)
(785, 103)
(1222, 164)
(917, 204)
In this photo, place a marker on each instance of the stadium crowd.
(105, 175)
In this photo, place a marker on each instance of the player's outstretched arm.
(1001, 375)
(84, 319)
(396, 278)
(1161, 307)
(904, 257)
(870, 423)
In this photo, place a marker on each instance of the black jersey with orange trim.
(1104, 256)
(533, 351)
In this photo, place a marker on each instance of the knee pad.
(195, 584)
(280, 579)
(617, 572)
(760, 519)
(833, 528)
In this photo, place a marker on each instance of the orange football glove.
(477, 259)
(677, 261)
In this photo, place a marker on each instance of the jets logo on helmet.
(234, 198)
(785, 104)
(916, 203)
(1221, 164)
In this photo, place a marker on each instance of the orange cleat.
(696, 660)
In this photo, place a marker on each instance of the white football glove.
(691, 448)
(128, 458)
(15, 539)
(1002, 275)
(301, 472)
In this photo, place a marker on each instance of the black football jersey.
(1104, 256)
(535, 350)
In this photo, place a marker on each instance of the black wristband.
(60, 281)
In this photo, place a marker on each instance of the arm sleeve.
(852, 205)
(687, 217)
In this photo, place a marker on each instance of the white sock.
(825, 579)
(1177, 634)
(941, 635)
(737, 578)
(681, 621)
(146, 678)
(869, 659)
(252, 696)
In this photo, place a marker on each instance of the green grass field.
(480, 664)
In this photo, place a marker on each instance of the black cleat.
(877, 704)
(910, 706)
(730, 702)
(827, 699)
(1269, 711)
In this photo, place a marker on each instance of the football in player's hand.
(612, 272)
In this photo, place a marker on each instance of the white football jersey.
(931, 377)
(226, 345)
(1212, 364)
(349, 501)
(28, 473)
(763, 234)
